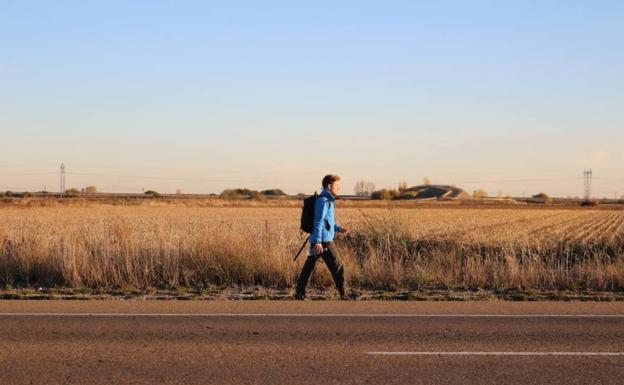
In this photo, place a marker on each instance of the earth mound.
(437, 192)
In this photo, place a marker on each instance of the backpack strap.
(328, 207)
(328, 202)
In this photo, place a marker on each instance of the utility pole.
(62, 190)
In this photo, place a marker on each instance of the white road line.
(304, 315)
(496, 353)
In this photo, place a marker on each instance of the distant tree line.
(239, 193)
(393, 194)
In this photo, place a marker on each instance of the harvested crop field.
(176, 246)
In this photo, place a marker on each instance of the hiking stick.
(301, 249)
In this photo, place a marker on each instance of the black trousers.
(333, 262)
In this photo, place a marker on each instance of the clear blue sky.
(210, 95)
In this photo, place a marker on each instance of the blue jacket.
(324, 223)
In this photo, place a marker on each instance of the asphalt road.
(136, 342)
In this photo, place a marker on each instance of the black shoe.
(299, 296)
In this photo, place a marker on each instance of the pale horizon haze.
(514, 97)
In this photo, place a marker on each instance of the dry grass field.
(393, 247)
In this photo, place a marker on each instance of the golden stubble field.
(173, 246)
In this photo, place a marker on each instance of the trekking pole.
(301, 249)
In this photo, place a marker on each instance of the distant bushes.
(241, 193)
(542, 198)
(390, 194)
(479, 193)
(273, 192)
(153, 194)
(72, 192)
(384, 194)
(245, 193)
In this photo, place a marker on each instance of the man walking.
(322, 237)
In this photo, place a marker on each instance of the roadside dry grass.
(162, 246)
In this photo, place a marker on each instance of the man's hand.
(318, 248)
(344, 231)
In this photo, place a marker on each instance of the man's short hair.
(329, 179)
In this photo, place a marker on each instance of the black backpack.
(307, 213)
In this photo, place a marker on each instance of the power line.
(186, 179)
(287, 182)
(519, 180)
(525, 180)
(28, 174)
(202, 170)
